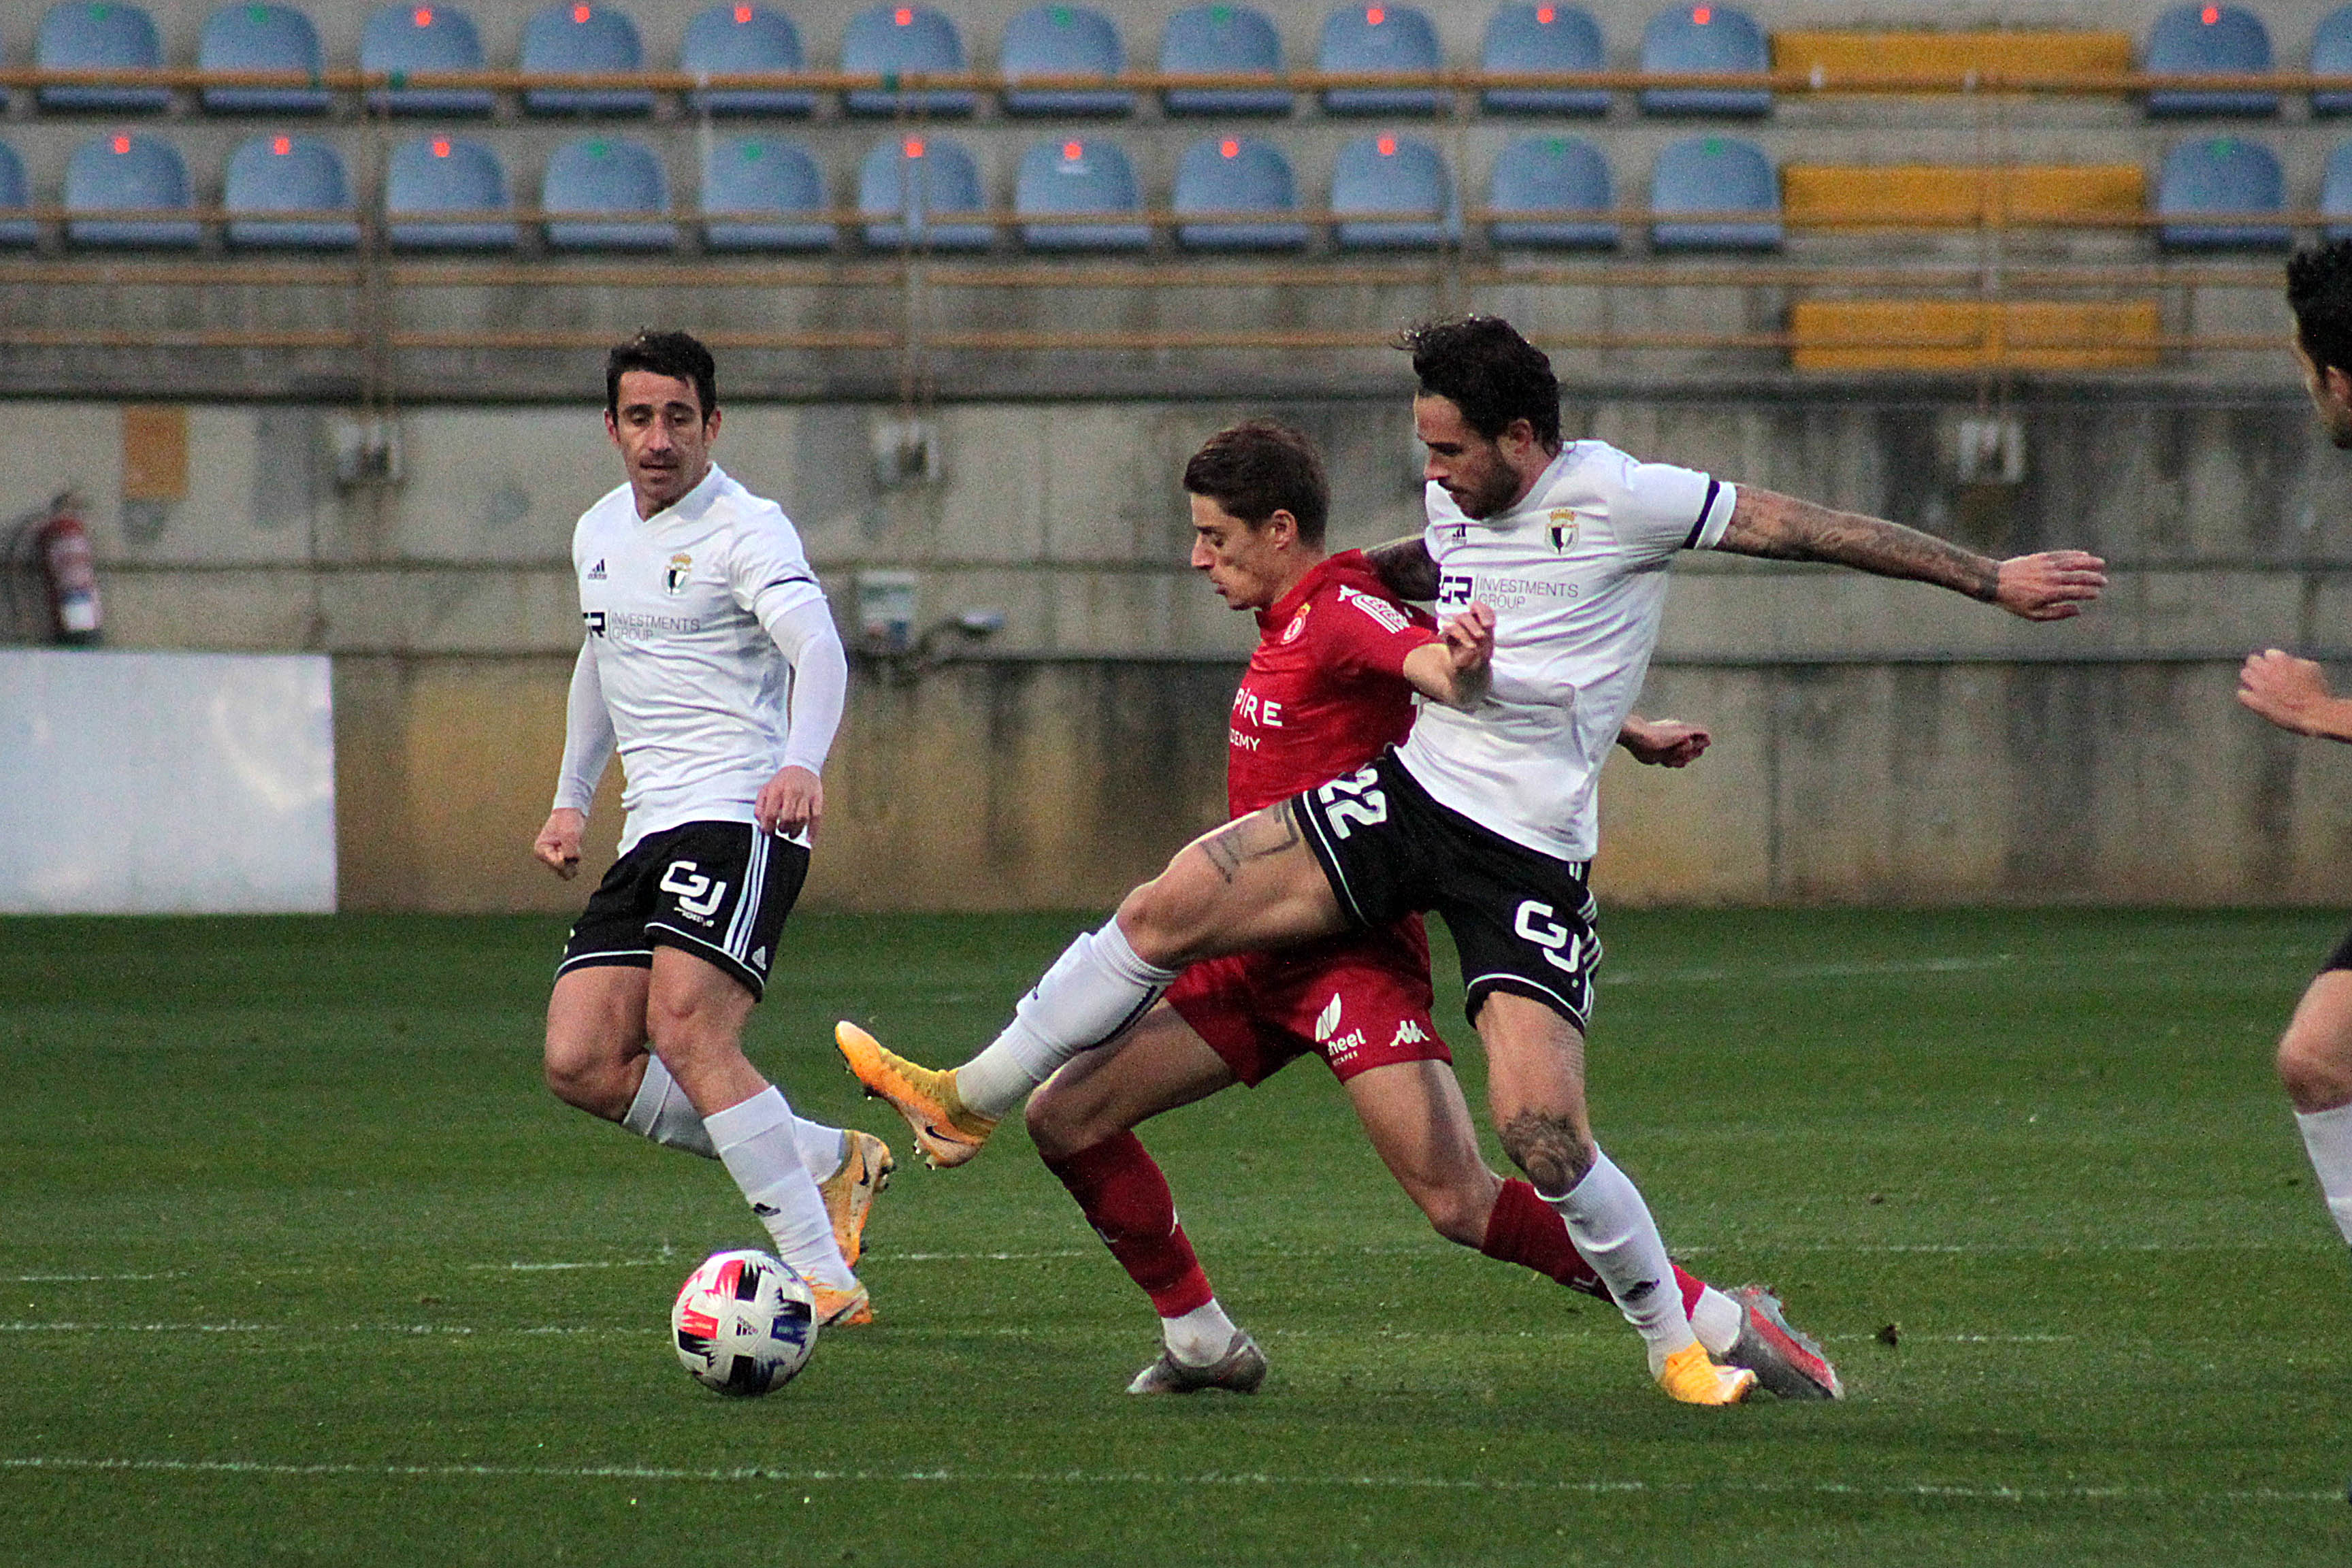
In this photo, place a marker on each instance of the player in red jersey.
(1329, 687)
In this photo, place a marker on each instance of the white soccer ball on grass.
(744, 1323)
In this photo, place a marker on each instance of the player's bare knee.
(1156, 922)
(2316, 1069)
(1553, 1152)
(1459, 1216)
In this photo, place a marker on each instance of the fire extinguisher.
(71, 568)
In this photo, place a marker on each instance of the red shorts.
(1358, 1001)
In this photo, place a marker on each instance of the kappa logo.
(1379, 609)
(680, 573)
(698, 895)
(597, 573)
(1328, 1020)
(1562, 528)
(1409, 1034)
(1297, 627)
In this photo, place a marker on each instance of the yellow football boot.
(842, 1309)
(946, 1133)
(848, 1193)
(1689, 1376)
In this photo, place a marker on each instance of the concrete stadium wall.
(1876, 740)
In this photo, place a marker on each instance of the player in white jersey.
(1489, 817)
(712, 663)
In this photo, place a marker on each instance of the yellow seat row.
(2045, 53)
(1974, 334)
(1916, 195)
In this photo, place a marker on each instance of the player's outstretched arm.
(2048, 587)
(1458, 667)
(1405, 567)
(1663, 742)
(2292, 694)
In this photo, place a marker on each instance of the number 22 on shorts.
(1353, 800)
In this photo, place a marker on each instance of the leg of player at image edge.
(849, 1167)
(755, 1142)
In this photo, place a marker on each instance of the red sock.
(1523, 1229)
(1126, 1198)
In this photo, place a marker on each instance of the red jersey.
(1326, 691)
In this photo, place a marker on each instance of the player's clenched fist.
(2050, 586)
(558, 843)
(1470, 638)
(792, 800)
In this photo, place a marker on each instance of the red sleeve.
(1371, 634)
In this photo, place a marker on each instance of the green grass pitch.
(300, 1264)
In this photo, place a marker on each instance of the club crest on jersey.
(1560, 525)
(1297, 627)
(681, 572)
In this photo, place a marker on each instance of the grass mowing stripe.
(1085, 1478)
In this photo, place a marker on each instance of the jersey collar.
(1539, 496)
(1280, 612)
(690, 506)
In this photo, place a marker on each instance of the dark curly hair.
(2319, 292)
(1482, 365)
(1258, 468)
(678, 355)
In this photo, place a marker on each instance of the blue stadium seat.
(1236, 174)
(254, 37)
(1705, 36)
(15, 196)
(2336, 193)
(425, 36)
(907, 180)
(1378, 37)
(1222, 40)
(1543, 38)
(289, 174)
(762, 195)
(2221, 174)
(578, 36)
(2331, 55)
(1550, 174)
(1078, 175)
(740, 39)
(440, 176)
(1062, 40)
(1382, 174)
(606, 175)
(2202, 39)
(902, 40)
(124, 172)
(100, 35)
(1715, 175)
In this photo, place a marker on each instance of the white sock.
(1199, 1336)
(1095, 990)
(1717, 1321)
(2327, 1135)
(755, 1141)
(1611, 1227)
(662, 1113)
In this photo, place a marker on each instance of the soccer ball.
(744, 1323)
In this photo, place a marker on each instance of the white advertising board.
(166, 783)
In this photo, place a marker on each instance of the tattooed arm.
(1404, 565)
(2049, 586)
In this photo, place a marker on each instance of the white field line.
(1873, 968)
(87, 1279)
(1925, 1491)
(418, 1330)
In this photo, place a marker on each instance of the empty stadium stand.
(1225, 40)
(1378, 38)
(1081, 177)
(1063, 41)
(252, 37)
(907, 184)
(127, 173)
(18, 228)
(294, 175)
(2199, 39)
(576, 38)
(1377, 177)
(2224, 175)
(1534, 37)
(399, 41)
(619, 179)
(738, 39)
(444, 194)
(100, 35)
(1236, 179)
(894, 41)
(1560, 193)
(1711, 39)
(1713, 178)
(762, 195)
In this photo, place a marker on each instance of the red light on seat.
(1374, 15)
(1702, 14)
(423, 17)
(123, 144)
(1388, 146)
(1229, 148)
(742, 15)
(914, 146)
(1072, 150)
(282, 146)
(440, 146)
(904, 16)
(580, 13)
(2212, 13)
(1546, 16)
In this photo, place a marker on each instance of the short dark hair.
(2319, 292)
(1482, 365)
(1258, 468)
(675, 355)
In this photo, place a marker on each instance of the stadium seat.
(762, 195)
(428, 35)
(1377, 36)
(906, 180)
(742, 39)
(1714, 174)
(902, 40)
(576, 35)
(606, 175)
(2336, 193)
(15, 196)
(1975, 334)
(1062, 40)
(1078, 175)
(1382, 174)
(1549, 174)
(124, 172)
(2203, 40)
(1222, 40)
(1705, 36)
(289, 174)
(1236, 174)
(1543, 38)
(100, 35)
(2331, 55)
(439, 176)
(262, 38)
(2221, 174)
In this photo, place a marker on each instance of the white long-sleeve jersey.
(711, 660)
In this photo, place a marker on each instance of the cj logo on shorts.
(1536, 923)
(698, 896)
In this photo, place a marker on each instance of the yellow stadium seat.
(1974, 334)
(1930, 195)
(1953, 55)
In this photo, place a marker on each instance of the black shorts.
(1522, 920)
(719, 890)
(2341, 957)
